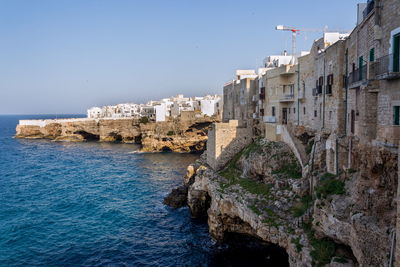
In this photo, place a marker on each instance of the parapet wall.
(225, 140)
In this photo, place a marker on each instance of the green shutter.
(360, 66)
(396, 53)
(396, 115)
(372, 55)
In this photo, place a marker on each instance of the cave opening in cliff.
(166, 149)
(116, 136)
(245, 250)
(88, 136)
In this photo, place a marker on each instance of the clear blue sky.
(67, 55)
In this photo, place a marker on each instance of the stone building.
(373, 62)
(239, 97)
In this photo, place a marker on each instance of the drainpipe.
(346, 90)
(323, 94)
(337, 155)
(298, 92)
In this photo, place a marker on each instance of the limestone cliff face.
(177, 136)
(318, 218)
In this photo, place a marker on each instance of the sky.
(64, 56)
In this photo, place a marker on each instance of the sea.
(98, 204)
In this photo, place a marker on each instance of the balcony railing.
(385, 68)
(287, 98)
(358, 75)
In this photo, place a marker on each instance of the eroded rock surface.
(320, 219)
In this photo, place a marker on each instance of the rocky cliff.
(317, 218)
(176, 135)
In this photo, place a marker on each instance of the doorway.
(284, 115)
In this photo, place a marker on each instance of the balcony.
(287, 98)
(357, 77)
(386, 69)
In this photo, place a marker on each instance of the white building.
(163, 109)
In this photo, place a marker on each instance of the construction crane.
(296, 31)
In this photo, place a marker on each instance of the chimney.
(285, 53)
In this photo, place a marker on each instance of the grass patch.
(323, 249)
(232, 173)
(330, 187)
(255, 209)
(170, 133)
(296, 242)
(301, 207)
(292, 170)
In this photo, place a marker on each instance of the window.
(315, 113)
(372, 54)
(294, 110)
(289, 110)
(304, 110)
(262, 112)
(396, 115)
(330, 115)
(273, 111)
(329, 84)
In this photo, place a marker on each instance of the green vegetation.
(301, 207)
(293, 170)
(309, 147)
(144, 120)
(232, 173)
(330, 186)
(296, 242)
(350, 171)
(323, 249)
(255, 209)
(327, 176)
(170, 133)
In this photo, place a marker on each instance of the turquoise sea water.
(92, 204)
(98, 204)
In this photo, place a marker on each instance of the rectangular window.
(315, 113)
(329, 84)
(304, 110)
(294, 110)
(372, 55)
(396, 115)
(273, 111)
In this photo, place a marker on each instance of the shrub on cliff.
(144, 120)
(329, 185)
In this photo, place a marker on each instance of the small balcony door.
(396, 53)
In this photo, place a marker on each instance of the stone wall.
(225, 140)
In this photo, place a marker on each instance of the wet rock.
(177, 198)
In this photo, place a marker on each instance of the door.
(284, 115)
(396, 53)
(352, 121)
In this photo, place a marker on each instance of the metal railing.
(386, 65)
(358, 75)
(287, 97)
